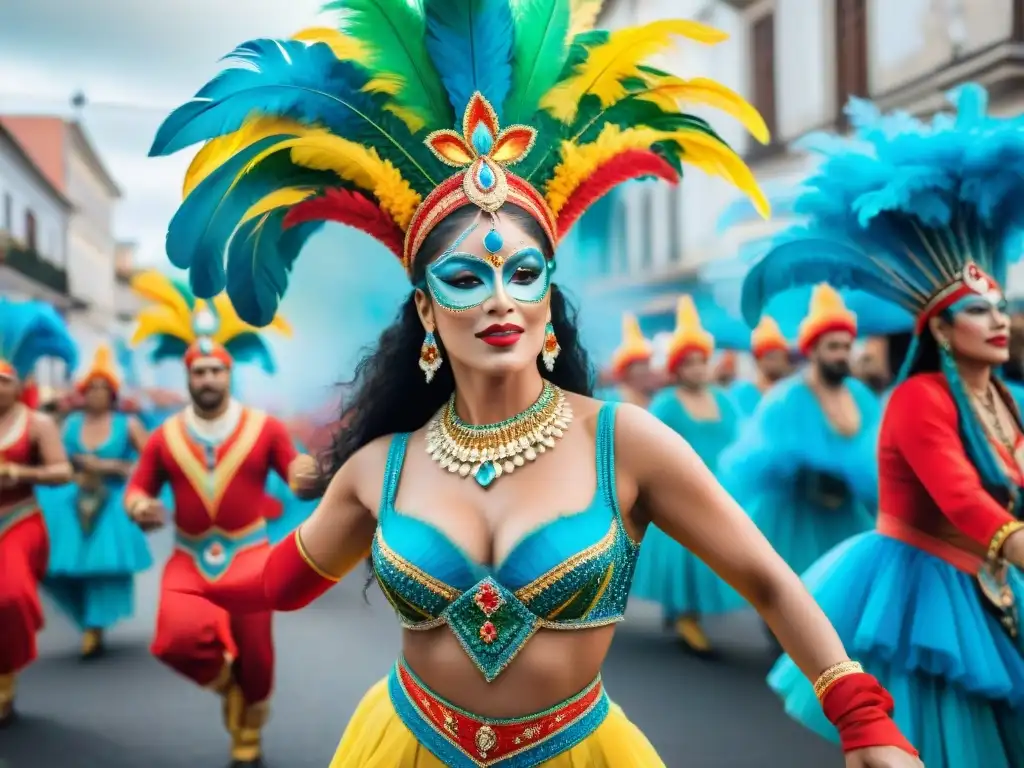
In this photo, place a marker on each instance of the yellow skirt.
(376, 737)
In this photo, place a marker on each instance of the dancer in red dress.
(215, 455)
(31, 454)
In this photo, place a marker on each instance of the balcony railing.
(32, 265)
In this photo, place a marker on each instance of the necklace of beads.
(485, 452)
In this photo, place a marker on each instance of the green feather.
(538, 54)
(395, 32)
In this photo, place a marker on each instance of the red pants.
(193, 636)
(24, 551)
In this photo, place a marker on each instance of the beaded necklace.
(485, 452)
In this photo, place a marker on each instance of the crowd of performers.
(875, 526)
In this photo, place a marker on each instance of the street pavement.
(128, 711)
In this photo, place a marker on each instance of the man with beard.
(804, 465)
(216, 455)
(771, 352)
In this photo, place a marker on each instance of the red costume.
(219, 502)
(24, 551)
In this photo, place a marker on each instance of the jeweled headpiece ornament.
(189, 329)
(363, 125)
(30, 331)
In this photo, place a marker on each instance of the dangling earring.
(430, 357)
(551, 348)
(944, 345)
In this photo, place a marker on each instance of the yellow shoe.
(92, 644)
(247, 721)
(7, 688)
(689, 630)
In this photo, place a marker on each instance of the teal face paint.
(460, 281)
(979, 304)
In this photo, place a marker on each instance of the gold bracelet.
(827, 678)
(996, 545)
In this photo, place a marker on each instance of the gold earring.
(944, 345)
(430, 357)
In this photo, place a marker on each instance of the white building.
(64, 153)
(798, 61)
(34, 217)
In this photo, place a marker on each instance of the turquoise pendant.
(493, 241)
(486, 474)
(486, 177)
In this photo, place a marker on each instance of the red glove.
(861, 710)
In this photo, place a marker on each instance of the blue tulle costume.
(666, 572)
(926, 215)
(92, 566)
(806, 486)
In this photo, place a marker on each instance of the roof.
(92, 158)
(22, 156)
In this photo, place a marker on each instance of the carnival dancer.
(930, 600)
(215, 455)
(483, 367)
(804, 464)
(31, 455)
(95, 549)
(630, 367)
(705, 416)
(772, 355)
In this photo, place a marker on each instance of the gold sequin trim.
(538, 585)
(836, 672)
(996, 545)
(409, 570)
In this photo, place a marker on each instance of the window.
(851, 52)
(762, 36)
(8, 212)
(675, 216)
(30, 230)
(620, 240)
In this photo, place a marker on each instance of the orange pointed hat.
(102, 368)
(767, 337)
(827, 313)
(633, 349)
(689, 335)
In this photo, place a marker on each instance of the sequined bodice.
(572, 572)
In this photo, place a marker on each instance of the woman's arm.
(674, 490)
(54, 467)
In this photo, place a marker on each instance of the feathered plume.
(899, 208)
(583, 15)
(32, 330)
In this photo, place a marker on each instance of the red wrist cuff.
(861, 710)
(291, 580)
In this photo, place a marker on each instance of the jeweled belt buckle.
(215, 554)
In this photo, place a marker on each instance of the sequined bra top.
(572, 572)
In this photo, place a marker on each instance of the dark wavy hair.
(388, 393)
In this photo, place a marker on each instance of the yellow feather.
(344, 47)
(217, 151)
(277, 199)
(232, 326)
(580, 161)
(353, 162)
(669, 92)
(156, 286)
(606, 65)
(161, 320)
(583, 15)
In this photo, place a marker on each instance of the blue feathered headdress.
(30, 331)
(911, 212)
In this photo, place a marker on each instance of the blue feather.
(260, 259)
(250, 348)
(32, 330)
(470, 44)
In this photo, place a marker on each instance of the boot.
(245, 724)
(7, 686)
(92, 644)
(691, 634)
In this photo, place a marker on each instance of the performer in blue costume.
(667, 572)
(95, 550)
(630, 367)
(772, 355)
(804, 464)
(923, 214)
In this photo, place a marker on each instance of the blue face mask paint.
(979, 305)
(459, 281)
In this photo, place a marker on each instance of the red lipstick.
(999, 341)
(501, 335)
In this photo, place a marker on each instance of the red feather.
(353, 209)
(625, 166)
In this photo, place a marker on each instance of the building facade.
(798, 62)
(63, 152)
(34, 216)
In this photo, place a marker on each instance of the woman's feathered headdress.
(689, 335)
(30, 331)
(918, 214)
(410, 110)
(179, 322)
(102, 368)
